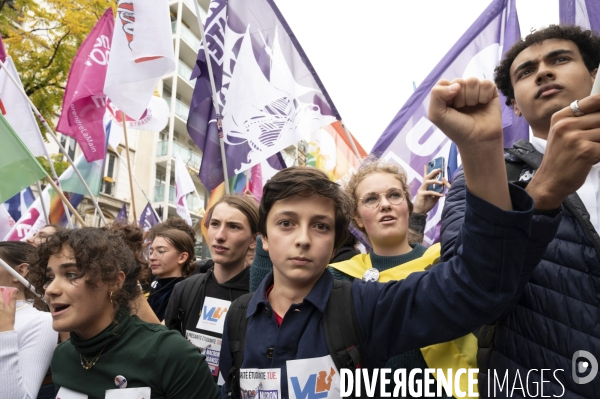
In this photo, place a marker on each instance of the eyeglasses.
(159, 253)
(372, 200)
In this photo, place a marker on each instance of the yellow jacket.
(456, 354)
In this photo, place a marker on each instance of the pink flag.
(2, 51)
(84, 102)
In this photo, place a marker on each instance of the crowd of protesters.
(512, 287)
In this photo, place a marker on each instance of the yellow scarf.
(456, 354)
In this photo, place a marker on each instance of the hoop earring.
(111, 297)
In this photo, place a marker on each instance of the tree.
(42, 37)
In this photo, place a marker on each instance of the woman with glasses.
(171, 257)
(382, 208)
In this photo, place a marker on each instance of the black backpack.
(340, 325)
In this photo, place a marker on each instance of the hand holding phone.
(437, 163)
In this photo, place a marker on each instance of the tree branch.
(56, 49)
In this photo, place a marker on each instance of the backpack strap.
(340, 326)
(190, 293)
(236, 329)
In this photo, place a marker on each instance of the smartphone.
(437, 163)
(6, 291)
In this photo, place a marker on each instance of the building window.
(108, 182)
(69, 144)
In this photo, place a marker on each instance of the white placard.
(129, 393)
(260, 383)
(313, 378)
(209, 346)
(212, 317)
(66, 393)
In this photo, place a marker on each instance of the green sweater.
(147, 355)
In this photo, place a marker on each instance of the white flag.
(6, 221)
(183, 186)
(141, 54)
(15, 108)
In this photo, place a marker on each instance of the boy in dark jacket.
(304, 218)
(547, 79)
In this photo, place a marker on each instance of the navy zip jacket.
(558, 312)
(444, 303)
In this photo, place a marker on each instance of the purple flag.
(585, 13)
(411, 139)
(147, 218)
(122, 216)
(84, 102)
(269, 94)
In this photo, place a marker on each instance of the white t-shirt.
(26, 352)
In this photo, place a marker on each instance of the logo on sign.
(213, 314)
(316, 387)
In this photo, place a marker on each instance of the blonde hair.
(372, 164)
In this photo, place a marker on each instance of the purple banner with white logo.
(411, 139)
(147, 218)
(269, 94)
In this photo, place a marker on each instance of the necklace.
(21, 307)
(88, 364)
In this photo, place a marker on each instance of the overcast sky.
(369, 53)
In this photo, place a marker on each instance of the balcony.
(184, 71)
(181, 110)
(188, 156)
(193, 202)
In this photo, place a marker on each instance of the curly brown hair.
(183, 243)
(100, 254)
(587, 42)
(133, 237)
(372, 164)
(305, 181)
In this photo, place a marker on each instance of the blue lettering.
(309, 389)
(209, 315)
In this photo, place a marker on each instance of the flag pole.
(141, 189)
(21, 279)
(66, 201)
(215, 98)
(52, 170)
(43, 121)
(129, 167)
(39, 188)
(349, 137)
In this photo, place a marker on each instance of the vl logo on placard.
(316, 387)
(212, 315)
(315, 378)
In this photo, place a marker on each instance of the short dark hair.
(243, 203)
(183, 243)
(100, 254)
(174, 222)
(305, 181)
(15, 253)
(587, 42)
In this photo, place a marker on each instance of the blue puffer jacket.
(558, 313)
